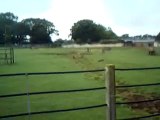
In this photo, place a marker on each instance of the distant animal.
(73, 57)
(88, 50)
(78, 56)
(106, 49)
(151, 51)
(101, 60)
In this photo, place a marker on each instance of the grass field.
(47, 60)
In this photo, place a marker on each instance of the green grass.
(47, 60)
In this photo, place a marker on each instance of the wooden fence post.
(10, 57)
(110, 93)
(13, 55)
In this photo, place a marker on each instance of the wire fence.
(143, 117)
(52, 73)
(131, 69)
(138, 85)
(110, 100)
(54, 111)
(50, 92)
(136, 102)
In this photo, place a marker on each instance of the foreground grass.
(46, 60)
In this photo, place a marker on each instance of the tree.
(20, 32)
(12, 31)
(125, 36)
(39, 35)
(7, 22)
(86, 31)
(58, 43)
(110, 34)
(82, 31)
(40, 30)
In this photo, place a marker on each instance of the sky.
(133, 17)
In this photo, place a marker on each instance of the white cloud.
(64, 13)
(133, 17)
(123, 16)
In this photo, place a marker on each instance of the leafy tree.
(110, 34)
(40, 30)
(20, 32)
(7, 22)
(12, 31)
(82, 31)
(86, 31)
(124, 36)
(39, 35)
(58, 43)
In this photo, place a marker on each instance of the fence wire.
(135, 102)
(87, 89)
(137, 85)
(51, 73)
(131, 69)
(51, 92)
(143, 117)
(54, 111)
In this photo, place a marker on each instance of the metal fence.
(113, 87)
(109, 86)
(28, 94)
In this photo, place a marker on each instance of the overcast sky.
(134, 17)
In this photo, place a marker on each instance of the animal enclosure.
(6, 55)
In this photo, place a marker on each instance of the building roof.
(139, 40)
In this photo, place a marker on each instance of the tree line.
(39, 31)
(14, 32)
(138, 37)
